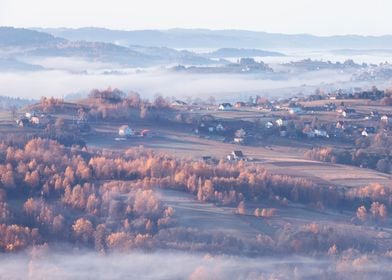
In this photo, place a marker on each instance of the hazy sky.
(322, 17)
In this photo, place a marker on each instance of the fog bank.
(59, 83)
(45, 264)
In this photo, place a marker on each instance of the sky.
(318, 17)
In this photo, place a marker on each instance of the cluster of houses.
(33, 118)
(290, 118)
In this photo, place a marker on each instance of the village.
(343, 122)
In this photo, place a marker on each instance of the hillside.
(204, 38)
(20, 37)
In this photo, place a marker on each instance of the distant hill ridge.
(10, 36)
(204, 38)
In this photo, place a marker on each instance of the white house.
(236, 155)
(125, 131)
(321, 133)
(295, 110)
(41, 120)
(225, 106)
(385, 118)
(220, 127)
(269, 125)
(281, 122)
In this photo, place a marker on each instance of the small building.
(370, 129)
(177, 103)
(220, 128)
(348, 112)
(125, 131)
(308, 132)
(145, 133)
(225, 107)
(374, 115)
(295, 111)
(23, 122)
(239, 104)
(385, 118)
(269, 125)
(31, 114)
(340, 125)
(209, 160)
(41, 120)
(321, 133)
(281, 122)
(236, 155)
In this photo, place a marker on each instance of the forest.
(108, 201)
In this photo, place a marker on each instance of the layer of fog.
(174, 265)
(71, 64)
(59, 83)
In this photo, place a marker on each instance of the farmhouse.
(220, 127)
(239, 140)
(40, 120)
(321, 133)
(236, 155)
(269, 125)
(31, 114)
(340, 125)
(385, 118)
(239, 104)
(370, 129)
(348, 112)
(281, 122)
(125, 131)
(295, 110)
(23, 122)
(176, 103)
(225, 106)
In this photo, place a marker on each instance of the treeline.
(359, 157)
(370, 152)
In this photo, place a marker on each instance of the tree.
(58, 223)
(362, 213)
(99, 238)
(32, 179)
(160, 102)
(211, 100)
(134, 99)
(13, 110)
(241, 208)
(144, 112)
(383, 165)
(83, 230)
(60, 124)
(7, 179)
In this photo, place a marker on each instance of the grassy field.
(277, 157)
